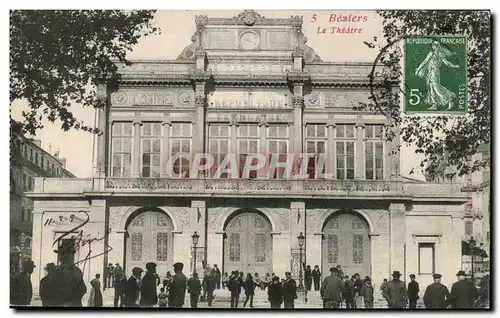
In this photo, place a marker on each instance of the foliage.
(59, 57)
(447, 139)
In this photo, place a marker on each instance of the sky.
(177, 27)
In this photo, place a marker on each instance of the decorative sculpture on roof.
(248, 17)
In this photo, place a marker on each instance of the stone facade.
(257, 72)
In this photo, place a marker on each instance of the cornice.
(249, 18)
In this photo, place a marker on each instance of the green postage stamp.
(435, 79)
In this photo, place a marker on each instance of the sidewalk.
(222, 299)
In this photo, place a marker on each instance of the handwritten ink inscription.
(76, 233)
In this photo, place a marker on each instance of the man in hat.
(22, 288)
(289, 291)
(436, 294)
(316, 274)
(348, 292)
(234, 288)
(331, 290)
(178, 287)
(395, 292)
(149, 296)
(463, 293)
(275, 292)
(194, 290)
(132, 288)
(69, 278)
(340, 272)
(109, 280)
(357, 285)
(413, 290)
(218, 276)
(308, 277)
(48, 287)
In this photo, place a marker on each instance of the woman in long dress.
(95, 297)
(429, 69)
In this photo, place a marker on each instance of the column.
(199, 124)
(165, 156)
(281, 253)
(263, 173)
(100, 159)
(97, 229)
(214, 251)
(183, 244)
(380, 259)
(298, 105)
(36, 249)
(233, 144)
(393, 167)
(197, 220)
(331, 160)
(359, 166)
(397, 230)
(297, 225)
(136, 154)
(314, 249)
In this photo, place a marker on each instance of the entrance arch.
(149, 239)
(346, 243)
(248, 243)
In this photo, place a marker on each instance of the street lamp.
(195, 238)
(301, 239)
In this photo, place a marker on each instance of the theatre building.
(247, 85)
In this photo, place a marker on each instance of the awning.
(476, 251)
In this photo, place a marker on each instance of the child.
(162, 298)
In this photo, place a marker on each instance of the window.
(25, 151)
(374, 152)
(25, 182)
(42, 163)
(426, 263)
(219, 146)
(315, 146)
(23, 216)
(51, 169)
(30, 215)
(36, 158)
(248, 143)
(121, 149)
(151, 149)
(345, 137)
(277, 145)
(180, 143)
(31, 154)
(469, 228)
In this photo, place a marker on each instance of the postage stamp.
(435, 74)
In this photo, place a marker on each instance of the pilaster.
(100, 163)
(331, 160)
(166, 147)
(136, 160)
(359, 157)
(397, 236)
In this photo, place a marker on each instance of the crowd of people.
(64, 286)
(338, 290)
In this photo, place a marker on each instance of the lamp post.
(195, 238)
(301, 239)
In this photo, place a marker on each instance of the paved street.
(223, 297)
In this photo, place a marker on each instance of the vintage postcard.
(250, 159)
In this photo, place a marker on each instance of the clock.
(249, 41)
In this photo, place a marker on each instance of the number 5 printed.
(414, 97)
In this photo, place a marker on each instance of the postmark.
(435, 75)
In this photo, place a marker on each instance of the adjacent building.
(28, 161)
(247, 85)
